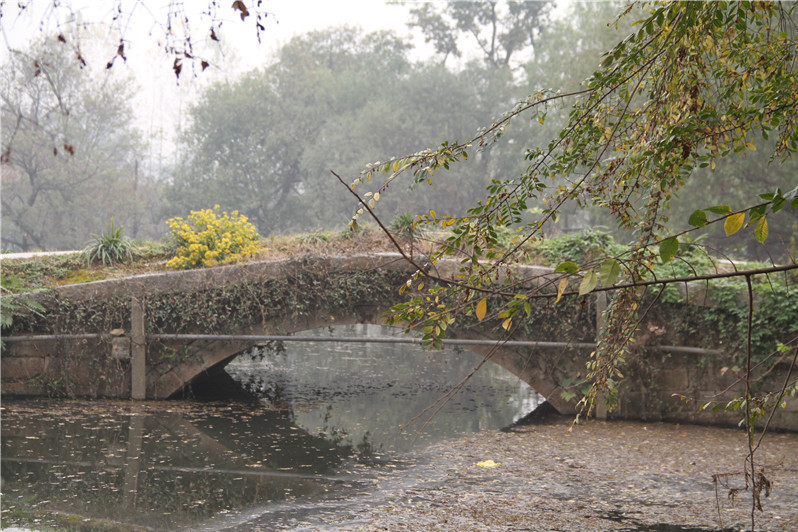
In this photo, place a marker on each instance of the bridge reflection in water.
(326, 421)
(161, 468)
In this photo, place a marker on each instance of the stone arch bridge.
(111, 338)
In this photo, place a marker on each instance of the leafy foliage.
(209, 237)
(110, 247)
(582, 247)
(12, 304)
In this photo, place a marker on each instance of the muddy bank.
(601, 476)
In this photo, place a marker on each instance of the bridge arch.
(205, 360)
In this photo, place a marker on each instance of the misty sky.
(162, 101)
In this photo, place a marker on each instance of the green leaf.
(566, 267)
(609, 272)
(720, 209)
(668, 249)
(698, 218)
(756, 213)
(761, 230)
(482, 308)
(589, 282)
(734, 223)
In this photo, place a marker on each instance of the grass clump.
(406, 224)
(109, 248)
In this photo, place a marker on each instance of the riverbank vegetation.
(42, 271)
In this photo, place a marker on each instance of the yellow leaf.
(376, 196)
(540, 119)
(733, 223)
(507, 324)
(589, 282)
(488, 463)
(482, 308)
(561, 288)
(432, 213)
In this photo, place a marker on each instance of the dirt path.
(602, 476)
(32, 254)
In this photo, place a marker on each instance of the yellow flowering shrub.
(208, 238)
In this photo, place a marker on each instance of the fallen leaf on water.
(488, 463)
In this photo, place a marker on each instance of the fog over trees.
(263, 142)
(74, 154)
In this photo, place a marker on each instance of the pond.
(327, 419)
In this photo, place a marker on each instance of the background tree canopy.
(263, 142)
(75, 157)
(334, 99)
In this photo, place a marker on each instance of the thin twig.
(749, 426)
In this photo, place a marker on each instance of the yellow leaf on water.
(488, 463)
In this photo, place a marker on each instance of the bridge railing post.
(138, 358)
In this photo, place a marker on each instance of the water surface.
(328, 417)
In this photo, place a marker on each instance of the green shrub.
(580, 248)
(110, 247)
(209, 237)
